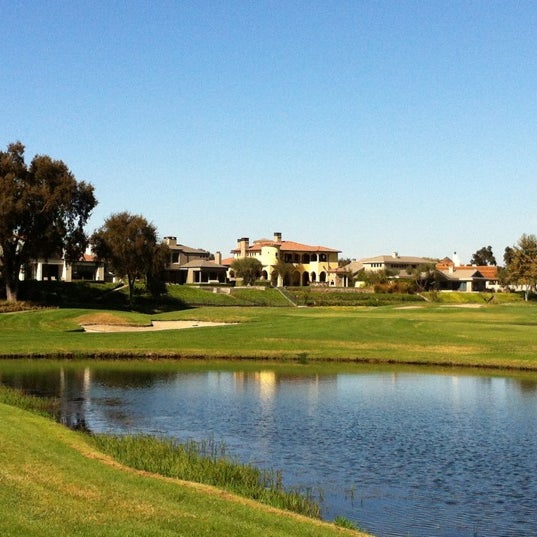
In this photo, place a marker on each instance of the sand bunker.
(154, 326)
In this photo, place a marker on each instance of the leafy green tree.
(247, 268)
(507, 255)
(282, 273)
(43, 211)
(521, 264)
(155, 281)
(424, 277)
(483, 256)
(128, 243)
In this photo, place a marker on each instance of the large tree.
(128, 243)
(247, 268)
(483, 256)
(521, 263)
(43, 211)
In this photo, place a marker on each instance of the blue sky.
(367, 126)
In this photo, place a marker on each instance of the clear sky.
(366, 126)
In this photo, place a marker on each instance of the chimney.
(395, 255)
(170, 241)
(218, 258)
(243, 245)
(277, 236)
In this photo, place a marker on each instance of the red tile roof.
(489, 272)
(287, 246)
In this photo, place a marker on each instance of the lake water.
(400, 453)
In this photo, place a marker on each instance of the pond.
(399, 452)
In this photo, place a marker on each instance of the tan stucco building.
(314, 265)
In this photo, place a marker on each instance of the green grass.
(205, 462)
(307, 296)
(424, 333)
(54, 482)
(474, 298)
(194, 296)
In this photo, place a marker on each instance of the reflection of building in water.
(74, 392)
(269, 382)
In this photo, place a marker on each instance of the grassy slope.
(499, 336)
(53, 483)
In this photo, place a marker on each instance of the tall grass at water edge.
(44, 406)
(205, 462)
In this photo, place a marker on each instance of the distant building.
(193, 265)
(468, 278)
(314, 265)
(394, 263)
(56, 268)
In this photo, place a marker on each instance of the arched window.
(322, 257)
(313, 258)
(306, 259)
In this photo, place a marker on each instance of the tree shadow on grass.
(90, 295)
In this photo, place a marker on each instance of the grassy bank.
(116, 296)
(55, 482)
(441, 334)
(205, 462)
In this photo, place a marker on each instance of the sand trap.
(154, 326)
(471, 306)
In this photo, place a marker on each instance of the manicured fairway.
(486, 336)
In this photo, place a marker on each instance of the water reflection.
(399, 452)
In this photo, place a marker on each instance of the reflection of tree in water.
(122, 378)
(526, 385)
(40, 384)
(72, 384)
(64, 384)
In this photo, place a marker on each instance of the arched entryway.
(305, 279)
